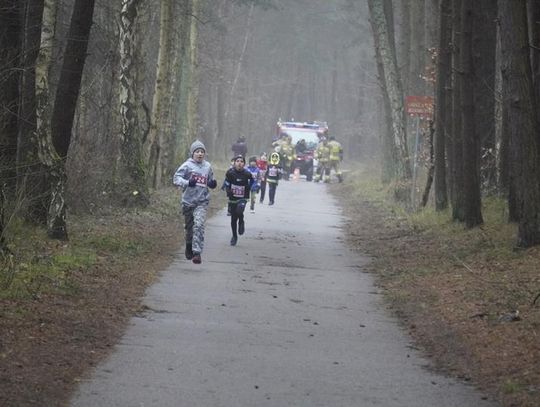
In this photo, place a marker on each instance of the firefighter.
(336, 156)
(322, 153)
(287, 156)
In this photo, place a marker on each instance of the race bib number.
(272, 172)
(201, 179)
(238, 191)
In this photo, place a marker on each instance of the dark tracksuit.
(273, 173)
(238, 187)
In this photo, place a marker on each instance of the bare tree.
(518, 96)
(441, 104)
(395, 94)
(471, 140)
(133, 187)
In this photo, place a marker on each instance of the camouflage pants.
(194, 219)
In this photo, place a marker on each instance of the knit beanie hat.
(196, 145)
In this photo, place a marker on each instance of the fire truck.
(310, 133)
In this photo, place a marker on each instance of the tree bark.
(31, 175)
(395, 94)
(456, 139)
(10, 81)
(153, 143)
(386, 136)
(441, 105)
(484, 50)
(471, 140)
(132, 187)
(518, 95)
(71, 72)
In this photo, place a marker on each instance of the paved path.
(285, 318)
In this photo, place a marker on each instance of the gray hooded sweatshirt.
(201, 172)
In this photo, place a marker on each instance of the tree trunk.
(431, 169)
(395, 94)
(484, 50)
(31, 175)
(10, 79)
(518, 95)
(153, 143)
(386, 136)
(418, 48)
(67, 94)
(471, 140)
(131, 186)
(441, 105)
(193, 81)
(69, 83)
(456, 139)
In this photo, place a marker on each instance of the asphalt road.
(285, 318)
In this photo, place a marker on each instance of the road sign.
(421, 106)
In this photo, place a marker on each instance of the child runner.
(273, 174)
(262, 163)
(238, 182)
(195, 176)
(256, 186)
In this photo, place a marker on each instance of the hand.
(192, 182)
(212, 183)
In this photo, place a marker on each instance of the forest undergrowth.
(469, 298)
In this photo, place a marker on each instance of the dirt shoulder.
(455, 292)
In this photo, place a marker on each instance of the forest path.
(285, 318)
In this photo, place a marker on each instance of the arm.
(181, 176)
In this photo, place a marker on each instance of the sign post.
(420, 107)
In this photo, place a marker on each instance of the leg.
(234, 221)
(272, 192)
(253, 198)
(199, 218)
(188, 230)
(263, 190)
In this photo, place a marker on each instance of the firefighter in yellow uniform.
(287, 156)
(322, 153)
(336, 156)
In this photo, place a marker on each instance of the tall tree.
(471, 140)
(133, 183)
(31, 182)
(455, 141)
(67, 94)
(153, 143)
(10, 48)
(441, 104)
(47, 154)
(485, 44)
(395, 94)
(518, 96)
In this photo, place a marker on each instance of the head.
(197, 151)
(274, 158)
(241, 139)
(253, 161)
(263, 156)
(239, 162)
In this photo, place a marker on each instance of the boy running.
(195, 176)
(238, 183)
